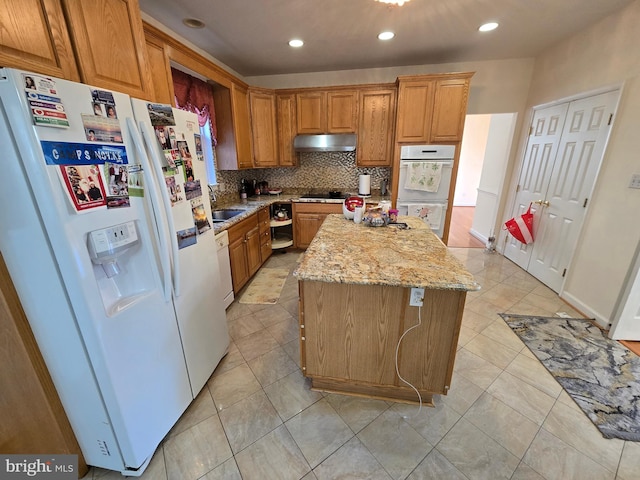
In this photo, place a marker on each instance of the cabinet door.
(110, 45)
(160, 71)
(375, 128)
(286, 108)
(33, 36)
(311, 109)
(263, 129)
(415, 108)
(254, 260)
(342, 111)
(306, 227)
(241, 125)
(33, 419)
(239, 267)
(450, 108)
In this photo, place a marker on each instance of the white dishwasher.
(226, 284)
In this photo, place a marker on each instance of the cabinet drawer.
(310, 207)
(264, 220)
(239, 230)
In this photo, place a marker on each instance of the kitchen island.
(355, 285)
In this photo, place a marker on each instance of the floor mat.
(266, 286)
(599, 374)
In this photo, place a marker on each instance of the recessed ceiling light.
(193, 23)
(487, 27)
(386, 35)
(296, 43)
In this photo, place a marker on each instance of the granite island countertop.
(345, 252)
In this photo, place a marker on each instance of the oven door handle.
(445, 163)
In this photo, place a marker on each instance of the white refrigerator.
(109, 242)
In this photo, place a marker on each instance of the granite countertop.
(345, 252)
(253, 204)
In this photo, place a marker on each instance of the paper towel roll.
(364, 187)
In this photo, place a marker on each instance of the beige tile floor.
(505, 416)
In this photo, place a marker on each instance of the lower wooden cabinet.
(248, 247)
(244, 251)
(264, 228)
(33, 418)
(307, 219)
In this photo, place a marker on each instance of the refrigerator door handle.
(152, 196)
(150, 137)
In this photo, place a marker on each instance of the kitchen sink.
(225, 214)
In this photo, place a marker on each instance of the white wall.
(497, 86)
(602, 55)
(472, 149)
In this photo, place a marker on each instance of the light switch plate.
(635, 181)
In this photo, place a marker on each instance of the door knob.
(544, 203)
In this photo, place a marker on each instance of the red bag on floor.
(522, 227)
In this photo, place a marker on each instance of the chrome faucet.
(212, 195)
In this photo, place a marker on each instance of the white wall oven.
(423, 185)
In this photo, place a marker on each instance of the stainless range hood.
(325, 143)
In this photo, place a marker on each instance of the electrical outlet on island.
(417, 297)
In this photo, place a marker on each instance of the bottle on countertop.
(243, 190)
(383, 186)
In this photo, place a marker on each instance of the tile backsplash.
(322, 171)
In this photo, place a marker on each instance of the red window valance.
(194, 95)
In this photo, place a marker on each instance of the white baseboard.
(601, 320)
(478, 235)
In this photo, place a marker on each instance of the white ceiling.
(251, 36)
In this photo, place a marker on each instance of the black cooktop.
(339, 195)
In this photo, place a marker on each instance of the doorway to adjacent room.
(484, 156)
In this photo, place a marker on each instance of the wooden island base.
(349, 335)
(394, 394)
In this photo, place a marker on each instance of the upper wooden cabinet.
(110, 45)
(322, 111)
(415, 109)
(160, 68)
(431, 108)
(34, 37)
(375, 127)
(106, 36)
(242, 124)
(263, 127)
(311, 109)
(286, 113)
(233, 150)
(449, 109)
(342, 111)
